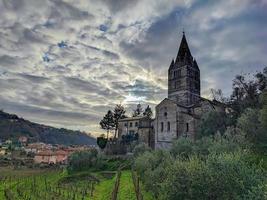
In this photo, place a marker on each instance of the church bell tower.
(184, 77)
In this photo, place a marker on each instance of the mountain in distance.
(12, 127)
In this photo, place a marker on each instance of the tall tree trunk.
(107, 133)
(116, 131)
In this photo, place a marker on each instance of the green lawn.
(126, 188)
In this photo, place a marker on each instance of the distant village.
(23, 153)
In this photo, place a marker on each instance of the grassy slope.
(126, 188)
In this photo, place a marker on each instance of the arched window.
(169, 126)
(162, 127)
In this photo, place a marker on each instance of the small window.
(187, 127)
(175, 74)
(131, 124)
(179, 73)
(136, 124)
(177, 84)
(125, 124)
(162, 126)
(165, 114)
(169, 126)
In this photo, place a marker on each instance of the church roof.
(184, 51)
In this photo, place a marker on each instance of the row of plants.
(57, 185)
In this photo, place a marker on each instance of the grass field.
(58, 185)
(53, 184)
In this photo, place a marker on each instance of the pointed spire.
(172, 64)
(195, 64)
(184, 51)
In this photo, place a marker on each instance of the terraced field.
(58, 185)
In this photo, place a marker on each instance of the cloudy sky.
(66, 62)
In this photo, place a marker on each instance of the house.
(2, 152)
(23, 140)
(51, 157)
(140, 125)
(46, 156)
(62, 156)
(8, 142)
(35, 147)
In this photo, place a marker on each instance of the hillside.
(11, 126)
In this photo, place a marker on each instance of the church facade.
(179, 114)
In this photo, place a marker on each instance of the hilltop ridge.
(12, 127)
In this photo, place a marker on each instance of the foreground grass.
(104, 189)
(57, 185)
(126, 188)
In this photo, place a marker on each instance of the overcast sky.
(65, 63)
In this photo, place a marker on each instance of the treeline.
(246, 112)
(228, 158)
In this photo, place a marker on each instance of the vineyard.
(58, 185)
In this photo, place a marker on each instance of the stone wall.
(166, 113)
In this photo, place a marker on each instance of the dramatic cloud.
(66, 62)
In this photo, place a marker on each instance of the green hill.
(12, 127)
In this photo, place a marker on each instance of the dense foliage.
(246, 112)
(92, 160)
(101, 142)
(84, 160)
(207, 169)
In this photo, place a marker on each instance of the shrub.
(224, 176)
(210, 168)
(140, 149)
(182, 147)
(101, 142)
(213, 122)
(185, 147)
(84, 160)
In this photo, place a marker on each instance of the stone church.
(179, 114)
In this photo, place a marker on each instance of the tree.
(246, 92)
(262, 79)
(84, 161)
(107, 123)
(213, 122)
(101, 141)
(118, 113)
(217, 95)
(249, 124)
(148, 112)
(263, 120)
(138, 111)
